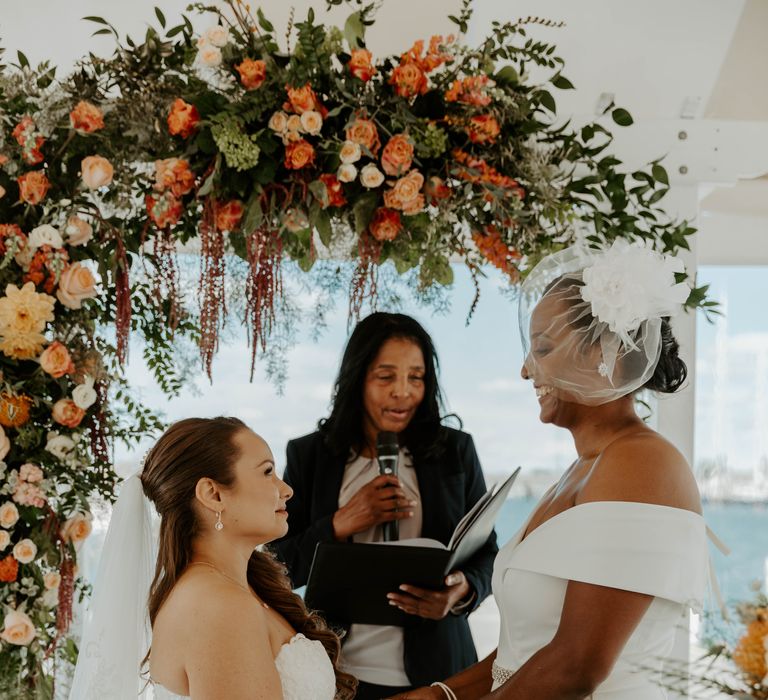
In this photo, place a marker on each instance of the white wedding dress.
(306, 672)
(641, 547)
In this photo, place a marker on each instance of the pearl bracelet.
(448, 692)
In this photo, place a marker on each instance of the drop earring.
(219, 525)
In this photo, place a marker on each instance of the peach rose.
(303, 99)
(5, 539)
(9, 515)
(183, 118)
(25, 551)
(299, 154)
(409, 80)
(334, 191)
(278, 122)
(86, 118)
(164, 210)
(96, 172)
(385, 225)
(67, 413)
(78, 231)
(31, 473)
(406, 195)
(227, 216)
(371, 177)
(33, 186)
(77, 528)
(5, 446)
(363, 131)
(51, 580)
(397, 156)
(312, 122)
(56, 360)
(293, 123)
(346, 172)
(209, 55)
(76, 284)
(18, 629)
(360, 64)
(252, 73)
(350, 152)
(483, 129)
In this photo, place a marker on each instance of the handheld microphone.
(387, 453)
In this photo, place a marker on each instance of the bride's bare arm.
(228, 653)
(471, 683)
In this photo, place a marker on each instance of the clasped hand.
(433, 605)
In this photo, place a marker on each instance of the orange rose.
(406, 195)
(360, 64)
(409, 80)
(67, 413)
(299, 154)
(11, 236)
(96, 172)
(397, 155)
(334, 191)
(9, 569)
(33, 186)
(227, 216)
(252, 73)
(165, 210)
(386, 224)
(302, 100)
(30, 140)
(76, 284)
(56, 360)
(175, 174)
(483, 129)
(183, 119)
(86, 118)
(436, 190)
(363, 131)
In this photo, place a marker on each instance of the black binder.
(349, 582)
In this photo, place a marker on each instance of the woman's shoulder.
(643, 467)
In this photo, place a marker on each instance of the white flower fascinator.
(590, 319)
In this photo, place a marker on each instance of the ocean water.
(742, 527)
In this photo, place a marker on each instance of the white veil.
(116, 630)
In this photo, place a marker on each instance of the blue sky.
(480, 370)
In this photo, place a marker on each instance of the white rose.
(9, 515)
(84, 395)
(346, 172)
(371, 176)
(52, 579)
(209, 56)
(278, 122)
(5, 539)
(294, 123)
(5, 444)
(45, 235)
(350, 152)
(202, 41)
(218, 35)
(51, 597)
(59, 445)
(25, 551)
(311, 122)
(18, 628)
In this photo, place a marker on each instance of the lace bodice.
(306, 672)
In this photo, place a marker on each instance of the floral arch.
(271, 158)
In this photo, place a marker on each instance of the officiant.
(388, 382)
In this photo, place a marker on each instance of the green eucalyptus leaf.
(622, 117)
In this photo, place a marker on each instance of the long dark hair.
(343, 429)
(191, 450)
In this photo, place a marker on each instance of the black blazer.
(449, 485)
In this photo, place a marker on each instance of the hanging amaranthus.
(211, 290)
(122, 301)
(263, 286)
(166, 277)
(365, 277)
